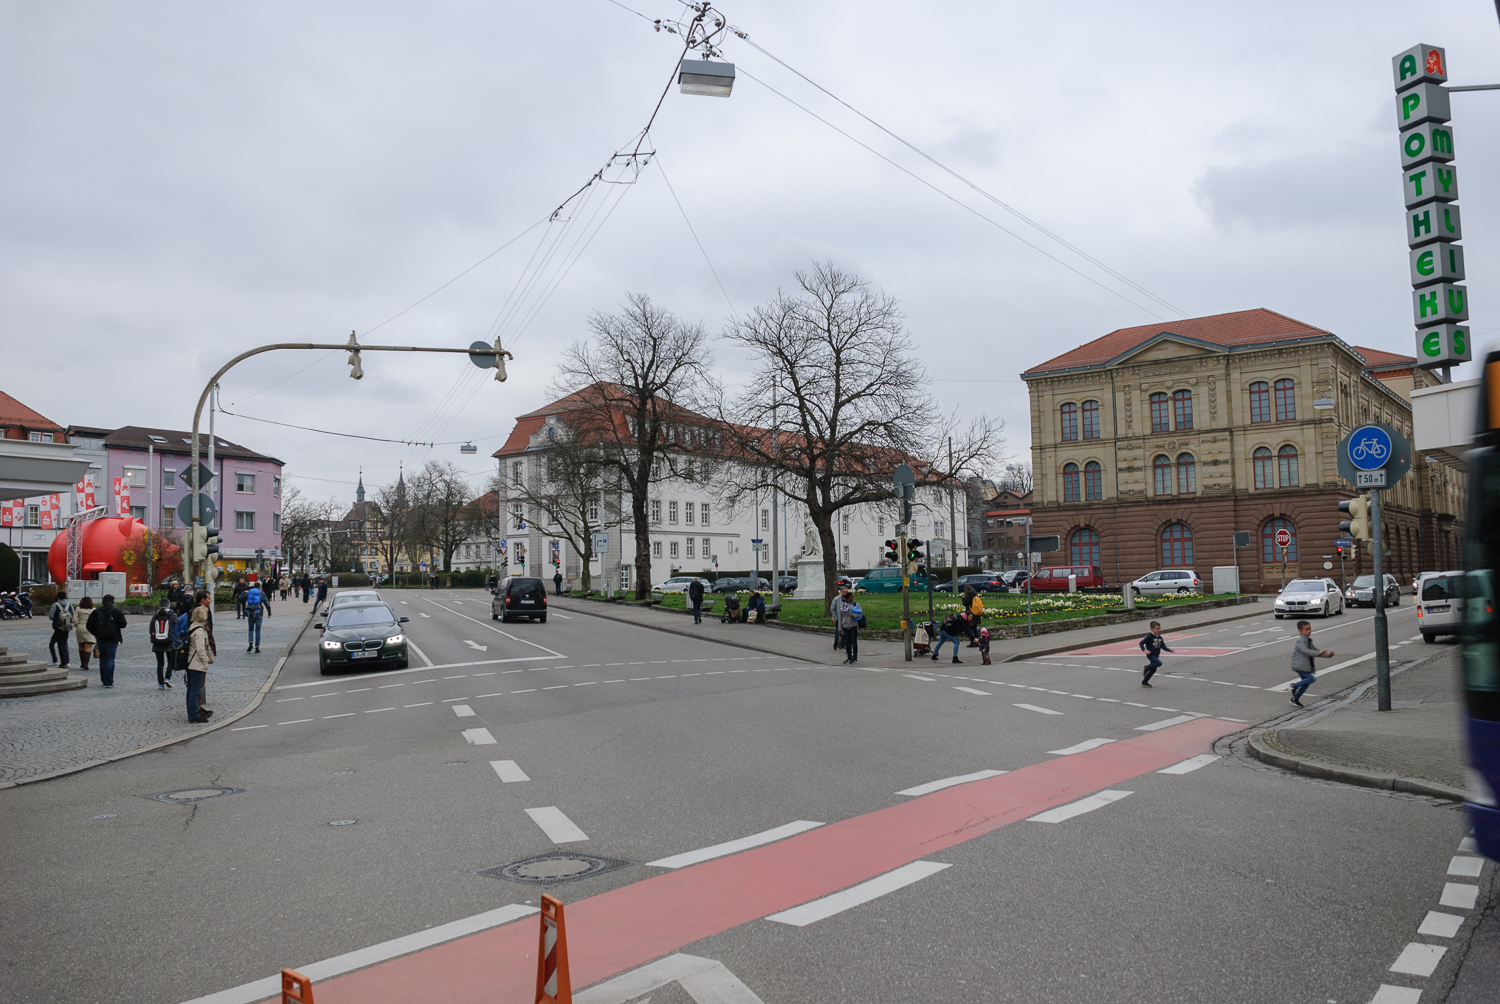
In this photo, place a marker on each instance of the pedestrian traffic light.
(1358, 523)
(914, 554)
(892, 551)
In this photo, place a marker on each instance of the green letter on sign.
(1415, 144)
(1427, 303)
(1408, 66)
(1424, 263)
(1460, 342)
(1432, 344)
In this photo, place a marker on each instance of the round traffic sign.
(1369, 447)
(1283, 538)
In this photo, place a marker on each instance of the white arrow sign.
(476, 645)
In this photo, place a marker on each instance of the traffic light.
(914, 554)
(198, 542)
(892, 552)
(356, 371)
(1358, 523)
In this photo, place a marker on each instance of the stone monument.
(810, 580)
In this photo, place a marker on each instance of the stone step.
(10, 658)
(20, 669)
(42, 681)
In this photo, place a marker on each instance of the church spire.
(359, 493)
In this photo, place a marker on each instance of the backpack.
(253, 599)
(161, 627)
(62, 617)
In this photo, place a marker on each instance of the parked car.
(518, 597)
(1309, 596)
(1015, 578)
(361, 635)
(1055, 580)
(739, 584)
(1362, 592)
(1440, 600)
(1167, 581)
(986, 582)
(678, 584)
(843, 580)
(787, 584)
(888, 580)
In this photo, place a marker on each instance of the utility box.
(1226, 579)
(79, 588)
(112, 584)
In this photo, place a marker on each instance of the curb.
(1129, 637)
(690, 634)
(254, 703)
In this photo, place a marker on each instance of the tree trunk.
(642, 546)
(822, 521)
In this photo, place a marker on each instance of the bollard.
(1072, 583)
(1127, 595)
(295, 988)
(552, 983)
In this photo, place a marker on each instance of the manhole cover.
(193, 794)
(553, 869)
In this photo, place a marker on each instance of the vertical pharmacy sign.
(1440, 305)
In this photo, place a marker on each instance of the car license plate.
(363, 655)
(525, 602)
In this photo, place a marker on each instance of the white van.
(1439, 603)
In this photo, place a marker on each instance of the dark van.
(518, 597)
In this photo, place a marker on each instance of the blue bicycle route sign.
(1369, 448)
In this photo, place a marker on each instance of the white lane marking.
(1116, 700)
(423, 614)
(476, 645)
(1168, 723)
(346, 714)
(383, 686)
(971, 690)
(242, 728)
(560, 686)
(734, 846)
(948, 782)
(508, 771)
(1324, 672)
(459, 602)
(1135, 704)
(283, 700)
(1418, 959)
(421, 705)
(505, 634)
(357, 690)
(1460, 895)
(566, 617)
(295, 721)
(270, 986)
(1040, 711)
(1466, 867)
(531, 691)
(460, 676)
(418, 669)
(1469, 844)
(706, 981)
(1079, 807)
(479, 737)
(1388, 994)
(464, 711)
(1188, 766)
(426, 662)
(403, 603)
(450, 700)
(1083, 747)
(1440, 925)
(558, 827)
(912, 676)
(864, 892)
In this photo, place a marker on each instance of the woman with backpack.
(86, 640)
(163, 626)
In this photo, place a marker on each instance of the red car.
(1055, 580)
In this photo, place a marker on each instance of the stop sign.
(1283, 538)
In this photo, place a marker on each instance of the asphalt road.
(1224, 880)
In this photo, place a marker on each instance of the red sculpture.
(116, 544)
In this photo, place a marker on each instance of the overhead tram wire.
(907, 171)
(692, 230)
(330, 432)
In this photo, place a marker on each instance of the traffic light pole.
(906, 631)
(1382, 632)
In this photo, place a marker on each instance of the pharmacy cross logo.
(1435, 62)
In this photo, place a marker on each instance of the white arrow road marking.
(706, 981)
(476, 645)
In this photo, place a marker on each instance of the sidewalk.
(61, 733)
(818, 647)
(1416, 747)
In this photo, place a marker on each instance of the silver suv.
(1167, 581)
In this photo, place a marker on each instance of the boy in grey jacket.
(1303, 654)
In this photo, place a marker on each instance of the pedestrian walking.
(175, 593)
(81, 633)
(267, 594)
(695, 596)
(107, 625)
(492, 584)
(322, 594)
(1303, 654)
(285, 585)
(306, 587)
(61, 616)
(846, 615)
(255, 608)
(201, 652)
(984, 645)
(1153, 645)
(239, 599)
(557, 582)
(953, 628)
(160, 631)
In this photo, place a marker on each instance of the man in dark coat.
(695, 596)
(107, 625)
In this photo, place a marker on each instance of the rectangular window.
(515, 472)
(687, 513)
(846, 557)
(690, 542)
(656, 510)
(276, 487)
(707, 548)
(765, 519)
(703, 515)
(624, 576)
(1182, 409)
(656, 549)
(35, 437)
(672, 549)
(135, 477)
(518, 516)
(1159, 413)
(275, 522)
(1091, 420)
(937, 528)
(244, 520)
(844, 522)
(880, 526)
(168, 479)
(1070, 421)
(168, 517)
(594, 511)
(33, 515)
(672, 513)
(244, 484)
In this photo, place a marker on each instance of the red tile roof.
(1234, 330)
(13, 412)
(1379, 357)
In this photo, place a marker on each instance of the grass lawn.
(883, 610)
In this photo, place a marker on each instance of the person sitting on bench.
(731, 609)
(756, 605)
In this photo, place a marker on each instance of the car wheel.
(494, 616)
(1183, 592)
(1136, 591)
(542, 619)
(1428, 637)
(1325, 609)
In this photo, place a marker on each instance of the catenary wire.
(696, 239)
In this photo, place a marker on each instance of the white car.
(344, 596)
(679, 584)
(1309, 596)
(1440, 598)
(1167, 581)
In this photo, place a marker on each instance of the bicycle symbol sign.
(1369, 448)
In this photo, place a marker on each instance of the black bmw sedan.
(362, 635)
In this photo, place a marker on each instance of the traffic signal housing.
(893, 552)
(914, 555)
(1358, 523)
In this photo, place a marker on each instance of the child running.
(1153, 645)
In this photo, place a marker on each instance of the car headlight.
(395, 639)
(333, 645)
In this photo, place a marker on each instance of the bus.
(1480, 631)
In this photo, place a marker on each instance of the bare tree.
(836, 401)
(440, 514)
(633, 382)
(394, 527)
(1017, 478)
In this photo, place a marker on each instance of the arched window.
(1260, 401)
(1286, 401)
(1070, 483)
(1269, 552)
(1159, 418)
(1182, 409)
(1091, 420)
(1265, 475)
(1161, 468)
(1070, 421)
(1286, 459)
(1093, 481)
(1176, 546)
(1187, 474)
(1084, 547)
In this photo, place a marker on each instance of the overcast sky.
(183, 181)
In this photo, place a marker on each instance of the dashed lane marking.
(980, 693)
(421, 705)
(1440, 925)
(377, 710)
(864, 892)
(479, 737)
(1165, 724)
(464, 711)
(243, 728)
(949, 782)
(508, 771)
(1417, 959)
(734, 846)
(298, 721)
(1466, 867)
(1040, 711)
(1079, 807)
(924, 679)
(1460, 895)
(557, 826)
(1083, 747)
(1188, 766)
